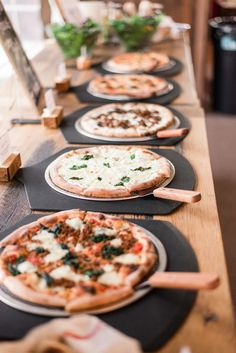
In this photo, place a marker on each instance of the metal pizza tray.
(17, 303)
(80, 129)
(135, 195)
(166, 90)
(168, 66)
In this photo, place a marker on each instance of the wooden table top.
(210, 326)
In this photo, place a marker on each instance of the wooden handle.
(188, 196)
(172, 133)
(184, 280)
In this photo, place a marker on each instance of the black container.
(224, 39)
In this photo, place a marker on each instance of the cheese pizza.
(136, 86)
(124, 120)
(109, 171)
(76, 260)
(137, 62)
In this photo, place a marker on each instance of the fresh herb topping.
(109, 251)
(56, 229)
(140, 169)
(76, 178)
(49, 280)
(132, 156)
(119, 184)
(100, 237)
(125, 179)
(12, 267)
(76, 167)
(71, 260)
(87, 157)
(39, 250)
(107, 165)
(93, 273)
(64, 246)
(99, 178)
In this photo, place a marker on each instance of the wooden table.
(210, 326)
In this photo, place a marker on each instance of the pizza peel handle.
(188, 196)
(173, 132)
(184, 280)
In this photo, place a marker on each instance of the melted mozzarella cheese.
(128, 259)
(110, 278)
(79, 247)
(116, 242)
(66, 273)
(107, 231)
(26, 267)
(108, 268)
(49, 243)
(75, 223)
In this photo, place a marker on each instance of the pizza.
(127, 120)
(136, 86)
(137, 62)
(109, 171)
(76, 260)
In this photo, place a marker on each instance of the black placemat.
(73, 136)
(153, 319)
(43, 198)
(85, 97)
(174, 70)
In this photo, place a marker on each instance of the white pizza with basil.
(136, 86)
(109, 171)
(137, 62)
(75, 260)
(127, 120)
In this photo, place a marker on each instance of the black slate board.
(152, 320)
(73, 136)
(85, 97)
(174, 70)
(43, 198)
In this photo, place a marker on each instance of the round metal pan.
(80, 129)
(168, 66)
(121, 98)
(13, 301)
(142, 193)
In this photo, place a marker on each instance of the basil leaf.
(39, 250)
(125, 179)
(76, 178)
(87, 157)
(56, 229)
(76, 167)
(109, 251)
(19, 260)
(100, 237)
(140, 169)
(12, 269)
(64, 246)
(71, 260)
(107, 165)
(119, 184)
(93, 273)
(99, 178)
(132, 156)
(49, 280)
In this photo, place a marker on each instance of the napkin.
(78, 334)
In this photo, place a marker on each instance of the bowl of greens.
(135, 32)
(71, 38)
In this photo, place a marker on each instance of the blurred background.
(215, 87)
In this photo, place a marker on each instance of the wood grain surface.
(210, 326)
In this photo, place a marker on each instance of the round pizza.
(76, 260)
(137, 62)
(136, 86)
(109, 171)
(127, 120)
